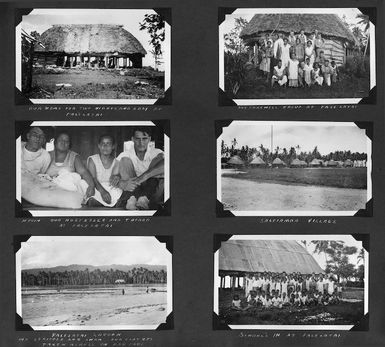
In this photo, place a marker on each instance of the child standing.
(293, 71)
(334, 71)
(316, 75)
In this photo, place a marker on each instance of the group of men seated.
(282, 290)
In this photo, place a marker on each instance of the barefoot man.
(140, 169)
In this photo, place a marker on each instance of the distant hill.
(77, 267)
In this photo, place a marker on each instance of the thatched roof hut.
(278, 162)
(258, 161)
(238, 257)
(332, 163)
(337, 36)
(104, 41)
(315, 163)
(348, 163)
(236, 160)
(298, 163)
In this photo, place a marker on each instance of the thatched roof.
(297, 162)
(278, 161)
(329, 25)
(348, 162)
(257, 161)
(332, 163)
(236, 160)
(266, 255)
(316, 162)
(90, 38)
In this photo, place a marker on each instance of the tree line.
(287, 155)
(337, 259)
(85, 277)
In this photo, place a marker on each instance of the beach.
(245, 195)
(95, 306)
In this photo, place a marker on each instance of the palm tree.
(321, 247)
(365, 22)
(361, 256)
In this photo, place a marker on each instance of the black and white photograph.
(89, 56)
(93, 282)
(92, 169)
(296, 56)
(294, 168)
(302, 282)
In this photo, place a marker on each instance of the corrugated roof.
(266, 255)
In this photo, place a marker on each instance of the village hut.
(315, 163)
(240, 257)
(90, 45)
(304, 163)
(257, 162)
(235, 160)
(298, 163)
(348, 163)
(120, 281)
(339, 40)
(332, 163)
(278, 163)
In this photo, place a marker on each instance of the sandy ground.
(136, 307)
(246, 195)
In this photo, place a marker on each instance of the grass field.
(331, 177)
(256, 87)
(339, 314)
(97, 84)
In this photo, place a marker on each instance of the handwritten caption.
(89, 222)
(85, 340)
(91, 111)
(285, 220)
(275, 335)
(297, 107)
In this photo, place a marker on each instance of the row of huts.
(236, 161)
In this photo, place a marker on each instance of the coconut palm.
(361, 256)
(365, 22)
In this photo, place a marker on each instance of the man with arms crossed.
(140, 169)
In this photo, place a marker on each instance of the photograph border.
(167, 325)
(365, 212)
(164, 125)
(363, 325)
(224, 100)
(20, 99)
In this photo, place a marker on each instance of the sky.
(42, 19)
(50, 251)
(350, 14)
(328, 138)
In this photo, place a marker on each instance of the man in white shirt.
(140, 169)
(34, 158)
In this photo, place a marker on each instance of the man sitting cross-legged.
(140, 170)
